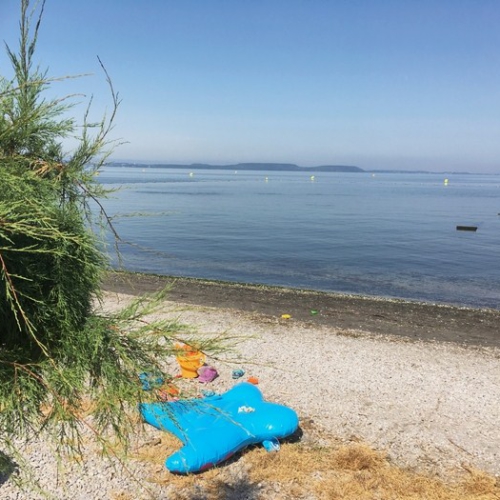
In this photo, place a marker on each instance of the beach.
(416, 382)
(420, 381)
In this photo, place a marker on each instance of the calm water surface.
(391, 235)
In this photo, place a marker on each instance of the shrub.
(54, 351)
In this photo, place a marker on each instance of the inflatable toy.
(214, 428)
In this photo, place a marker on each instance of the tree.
(53, 350)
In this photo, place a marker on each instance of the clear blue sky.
(410, 84)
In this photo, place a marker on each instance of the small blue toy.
(238, 373)
(214, 428)
(150, 380)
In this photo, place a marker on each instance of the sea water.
(384, 234)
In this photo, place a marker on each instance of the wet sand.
(376, 315)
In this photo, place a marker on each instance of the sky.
(380, 84)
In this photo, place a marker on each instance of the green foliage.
(50, 262)
(30, 125)
(54, 352)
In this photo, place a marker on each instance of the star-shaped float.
(214, 428)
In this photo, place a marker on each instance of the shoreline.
(400, 318)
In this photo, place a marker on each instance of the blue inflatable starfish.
(214, 428)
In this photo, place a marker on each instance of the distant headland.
(290, 167)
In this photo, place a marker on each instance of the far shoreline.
(399, 318)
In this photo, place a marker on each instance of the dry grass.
(307, 470)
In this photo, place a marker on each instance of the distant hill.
(271, 167)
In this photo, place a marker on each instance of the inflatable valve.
(271, 445)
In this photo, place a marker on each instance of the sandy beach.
(418, 382)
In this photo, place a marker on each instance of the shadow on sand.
(7, 467)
